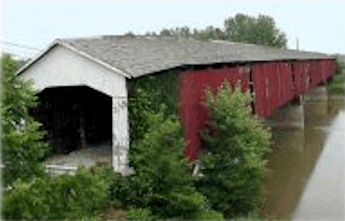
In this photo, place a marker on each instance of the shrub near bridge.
(233, 164)
(162, 186)
(22, 148)
(64, 197)
(337, 84)
(162, 177)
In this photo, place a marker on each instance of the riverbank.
(337, 84)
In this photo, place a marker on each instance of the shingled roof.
(141, 55)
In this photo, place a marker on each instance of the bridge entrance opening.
(78, 125)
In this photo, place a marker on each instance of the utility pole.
(297, 44)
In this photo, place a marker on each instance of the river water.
(306, 168)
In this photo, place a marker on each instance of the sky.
(29, 26)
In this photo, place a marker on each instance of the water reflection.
(324, 194)
(295, 154)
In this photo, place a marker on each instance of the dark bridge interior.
(74, 117)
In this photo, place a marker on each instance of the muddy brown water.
(306, 168)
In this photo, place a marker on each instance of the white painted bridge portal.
(61, 66)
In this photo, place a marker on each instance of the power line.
(43, 29)
(19, 45)
(22, 55)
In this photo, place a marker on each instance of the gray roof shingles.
(142, 55)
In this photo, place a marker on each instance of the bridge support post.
(289, 116)
(316, 105)
(317, 94)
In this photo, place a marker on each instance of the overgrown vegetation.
(21, 137)
(167, 187)
(260, 30)
(71, 197)
(233, 165)
(151, 94)
(162, 186)
(232, 168)
(337, 84)
(28, 192)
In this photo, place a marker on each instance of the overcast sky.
(318, 24)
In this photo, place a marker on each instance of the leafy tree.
(337, 83)
(162, 173)
(210, 32)
(184, 31)
(162, 186)
(22, 146)
(261, 30)
(241, 28)
(233, 164)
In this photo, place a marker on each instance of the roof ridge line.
(64, 43)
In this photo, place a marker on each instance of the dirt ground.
(87, 156)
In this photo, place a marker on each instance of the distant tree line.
(260, 30)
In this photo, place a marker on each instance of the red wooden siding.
(260, 90)
(287, 86)
(193, 84)
(324, 67)
(315, 73)
(328, 68)
(301, 74)
(274, 85)
(277, 83)
(321, 71)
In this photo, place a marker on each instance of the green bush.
(337, 84)
(123, 191)
(22, 148)
(209, 215)
(72, 197)
(233, 165)
(162, 180)
(27, 200)
(162, 186)
(340, 66)
(140, 214)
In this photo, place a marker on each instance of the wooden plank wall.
(274, 84)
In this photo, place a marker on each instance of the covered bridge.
(83, 84)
